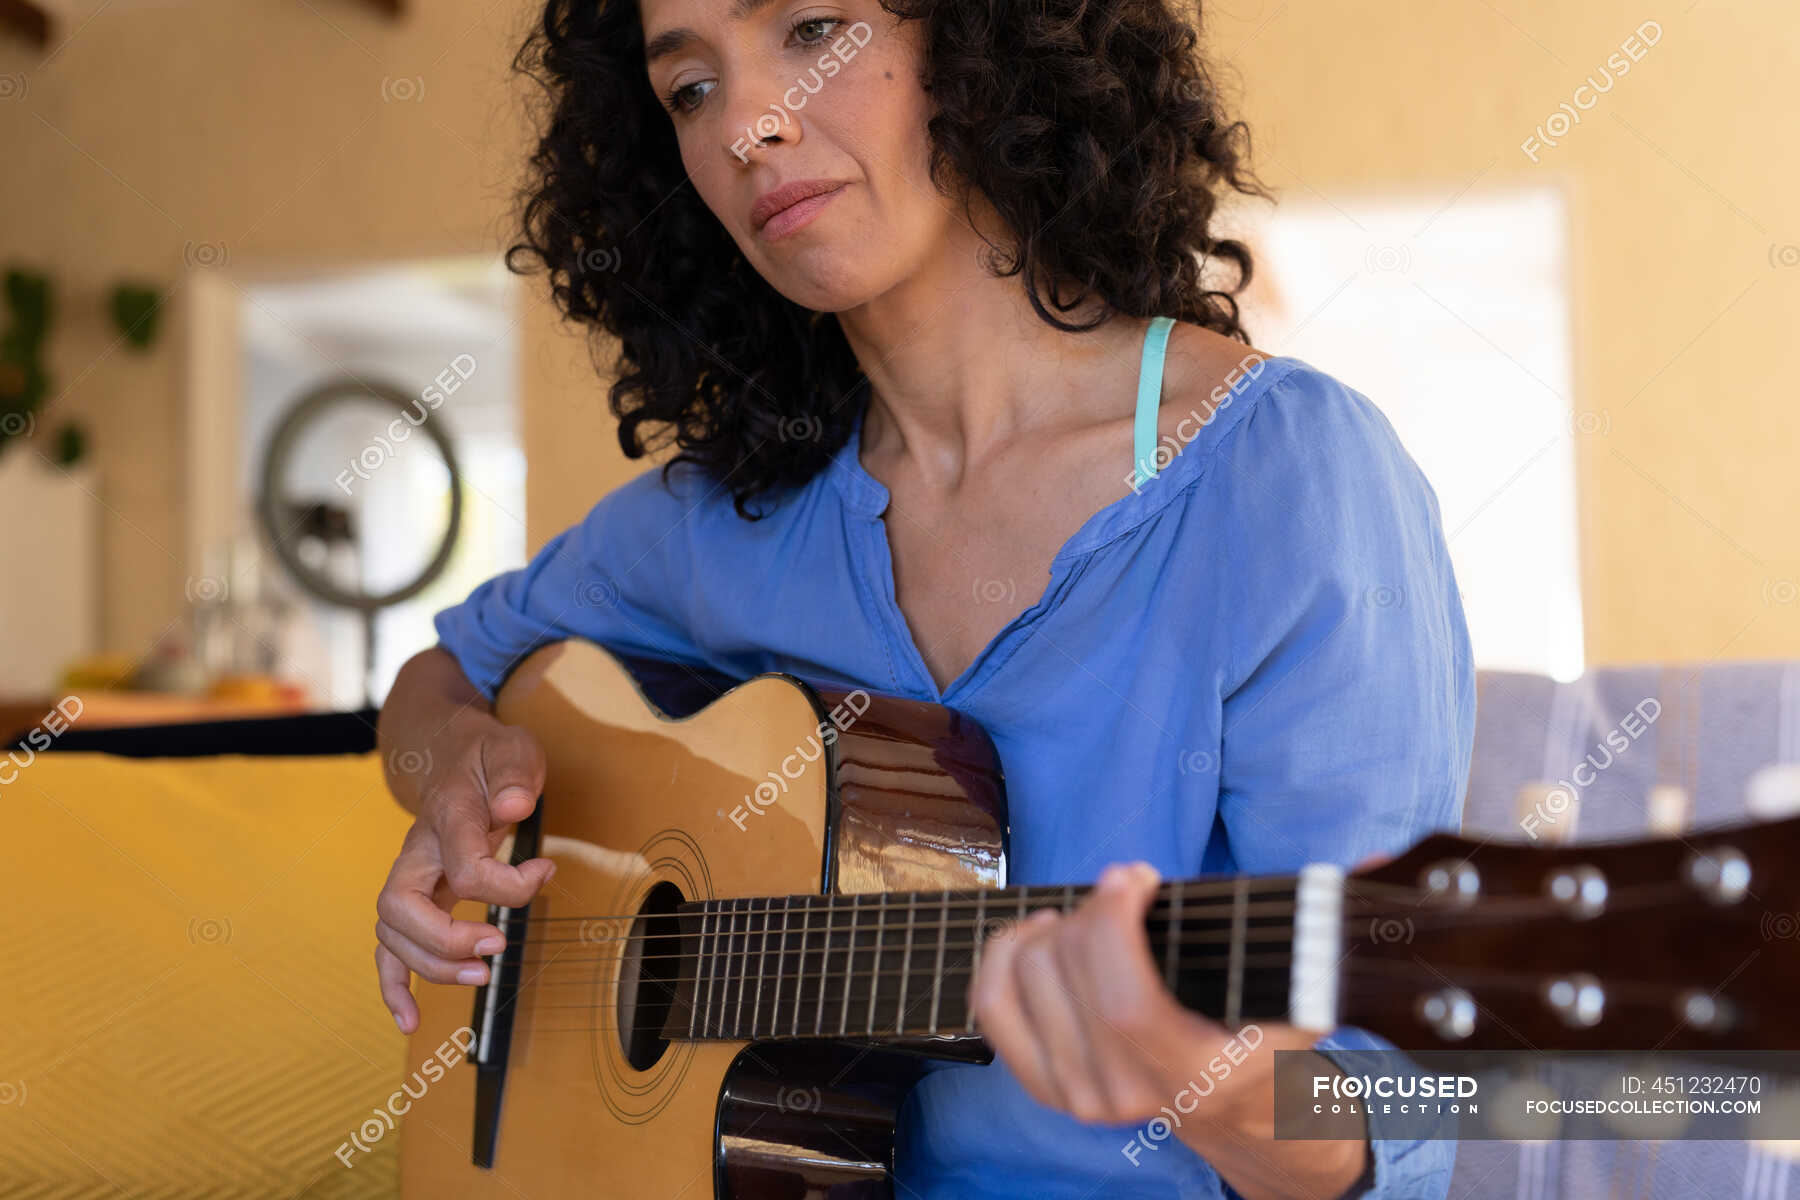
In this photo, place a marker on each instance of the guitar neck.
(898, 964)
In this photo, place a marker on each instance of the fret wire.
(1234, 973)
(1174, 934)
(694, 1007)
(975, 965)
(875, 962)
(717, 978)
(743, 976)
(762, 951)
(937, 978)
(849, 969)
(718, 984)
(700, 963)
(905, 968)
(824, 976)
(775, 982)
(800, 984)
(716, 1023)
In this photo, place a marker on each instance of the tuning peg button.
(1450, 1012)
(1580, 889)
(1722, 874)
(1578, 999)
(1452, 881)
(1703, 1010)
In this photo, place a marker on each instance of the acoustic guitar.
(770, 898)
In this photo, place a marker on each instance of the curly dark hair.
(1100, 145)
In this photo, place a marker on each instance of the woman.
(915, 288)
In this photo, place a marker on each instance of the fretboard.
(899, 964)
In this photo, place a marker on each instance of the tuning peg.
(1722, 873)
(1578, 999)
(1581, 890)
(1703, 1010)
(1449, 1011)
(1451, 881)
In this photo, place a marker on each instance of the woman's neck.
(960, 364)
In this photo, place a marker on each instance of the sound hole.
(648, 976)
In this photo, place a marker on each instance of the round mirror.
(361, 499)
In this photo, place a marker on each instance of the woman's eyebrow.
(672, 40)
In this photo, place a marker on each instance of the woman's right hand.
(479, 778)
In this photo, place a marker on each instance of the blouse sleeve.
(1349, 716)
(614, 578)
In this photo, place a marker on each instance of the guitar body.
(653, 793)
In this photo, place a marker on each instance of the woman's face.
(832, 91)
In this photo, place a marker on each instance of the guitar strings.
(1499, 909)
(930, 970)
(715, 1029)
(861, 977)
(919, 949)
(1251, 911)
(1200, 894)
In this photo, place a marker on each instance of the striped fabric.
(1713, 743)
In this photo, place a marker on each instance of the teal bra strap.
(1149, 397)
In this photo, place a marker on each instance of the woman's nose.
(758, 114)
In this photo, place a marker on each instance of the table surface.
(104, 709)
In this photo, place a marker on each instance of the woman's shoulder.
(1283, 422)
(1292, 453)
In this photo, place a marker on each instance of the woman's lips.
(794, 216)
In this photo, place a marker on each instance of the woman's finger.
(1136, 1020)
(1000, 1015)
(396, 988)
(407, 904)
(1060, 1019)
(427, 965)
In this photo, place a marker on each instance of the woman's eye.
(687, 98)
(799, 25)
(676, 101)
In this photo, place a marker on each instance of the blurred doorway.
(439, 333)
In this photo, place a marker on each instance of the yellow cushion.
(191, 1006)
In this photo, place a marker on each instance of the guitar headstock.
(1683, 943)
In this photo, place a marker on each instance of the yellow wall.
(1685, 189)
(264, 128)
(261, 132)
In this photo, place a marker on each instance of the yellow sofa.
(192, 1009)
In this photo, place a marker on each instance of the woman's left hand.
(1076, 1007)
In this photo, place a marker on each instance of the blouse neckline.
(868, 498)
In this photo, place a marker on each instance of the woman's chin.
(818, 282)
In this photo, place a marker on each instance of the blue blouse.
(1255, 659)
